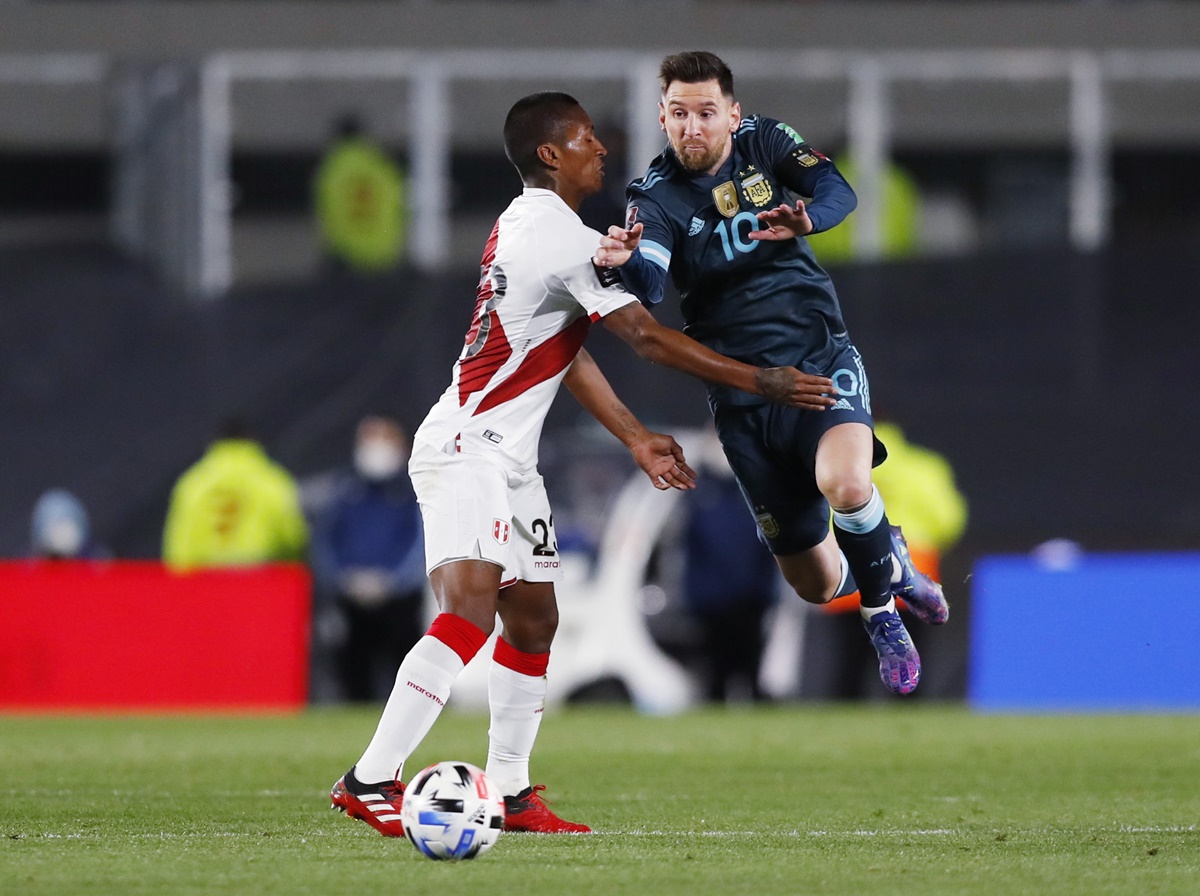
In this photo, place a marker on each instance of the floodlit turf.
(897, 799)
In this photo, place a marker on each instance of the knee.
(477, 616)
(847, 492)
(475, 608)
(531, 629)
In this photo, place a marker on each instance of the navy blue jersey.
(764, 303)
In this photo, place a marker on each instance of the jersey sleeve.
(807, 172)
(597, 291)
(645, 274)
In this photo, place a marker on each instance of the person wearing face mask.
(368, 556)
(60, 529)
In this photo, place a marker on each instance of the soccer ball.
(452, 810)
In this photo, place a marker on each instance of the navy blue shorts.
(773, 452)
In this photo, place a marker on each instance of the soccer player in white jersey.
(489, 537)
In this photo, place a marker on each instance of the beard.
(698, 161)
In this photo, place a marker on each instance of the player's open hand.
(787, 385)
(783, 223)
(616, 248)
(661, 458)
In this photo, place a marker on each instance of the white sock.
(421, 690)
(516, 702)
(868, 612)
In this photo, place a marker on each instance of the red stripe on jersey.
(487, 345)
(542, 362)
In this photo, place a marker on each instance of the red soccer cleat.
(527, 811)
(376, 804)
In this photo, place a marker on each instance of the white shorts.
(474, 509)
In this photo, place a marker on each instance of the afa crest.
(767, 523)
(726, 199)
(757, 189)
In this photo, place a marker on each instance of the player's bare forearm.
(659, 456)
(664, 345)
(591, 389)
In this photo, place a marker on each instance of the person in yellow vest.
(901, 201)
(234, 507)
(917, 485)
(359, 193)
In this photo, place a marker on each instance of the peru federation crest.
(726, 199)
(500, 531)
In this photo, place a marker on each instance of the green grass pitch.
(879, 798)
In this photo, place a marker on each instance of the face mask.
(377, 459)
(62, 538)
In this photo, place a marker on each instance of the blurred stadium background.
(159, 264)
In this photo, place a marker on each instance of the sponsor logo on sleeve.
(790, 131)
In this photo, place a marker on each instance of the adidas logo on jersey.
(695, 227)
(842, 405)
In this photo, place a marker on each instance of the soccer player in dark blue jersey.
(721, 211)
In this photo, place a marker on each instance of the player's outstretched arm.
(664, 345)
(659, 455)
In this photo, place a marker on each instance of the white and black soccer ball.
(452, 810)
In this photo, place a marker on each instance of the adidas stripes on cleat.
(527, 811)
(921, 594)
(376, 804)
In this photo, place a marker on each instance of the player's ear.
(662, 117)
(735, 116)
(548, 155)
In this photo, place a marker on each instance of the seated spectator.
(369, 558)
(60, 529)
(234, 507)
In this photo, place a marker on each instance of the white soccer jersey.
(538, 293)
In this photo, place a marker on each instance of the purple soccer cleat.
(922, 594)
(899, 662)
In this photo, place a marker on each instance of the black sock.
(865, 537)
